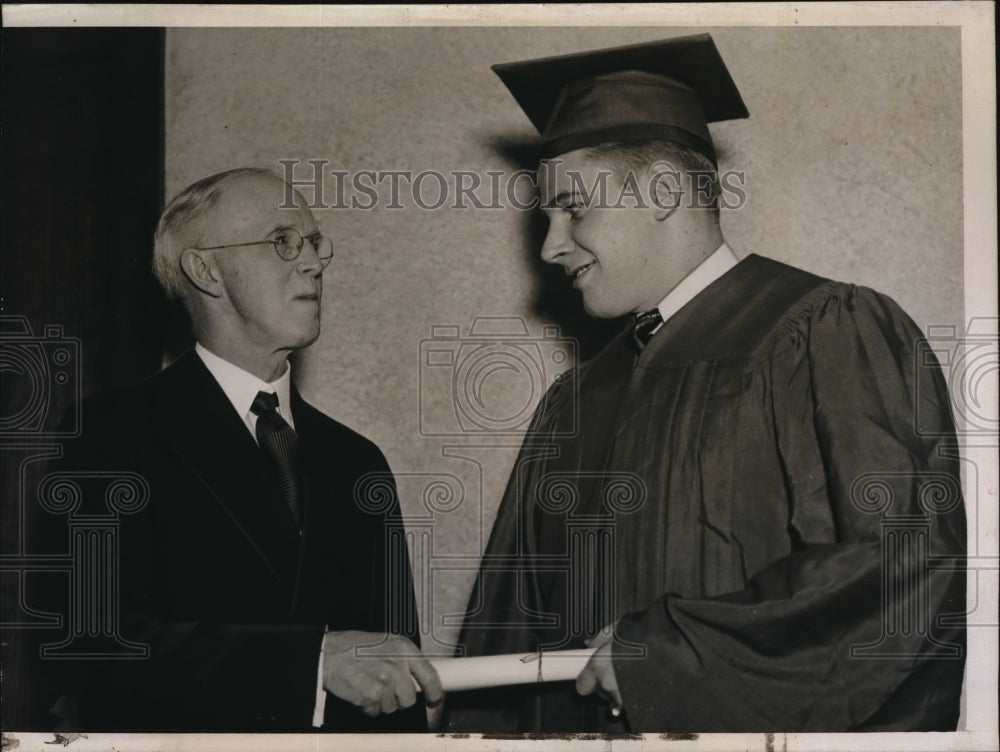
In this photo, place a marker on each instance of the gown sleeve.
(846, 631)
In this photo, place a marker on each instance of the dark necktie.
(278, 439)
(643, 327)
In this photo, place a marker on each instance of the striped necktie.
(643, 327)
(281, 444)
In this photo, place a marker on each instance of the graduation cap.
(670, 90)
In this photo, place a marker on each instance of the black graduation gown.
(767, 501)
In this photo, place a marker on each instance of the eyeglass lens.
(289, 245)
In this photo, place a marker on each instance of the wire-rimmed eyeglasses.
(288, 245)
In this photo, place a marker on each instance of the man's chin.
(307, 336)
(311, 338)
(598, 311)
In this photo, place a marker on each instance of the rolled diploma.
(484, 671)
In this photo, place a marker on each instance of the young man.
(730, 504)
(255, 573)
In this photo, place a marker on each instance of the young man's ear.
(666, 189)
(202, 273)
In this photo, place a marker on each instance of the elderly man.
(732, 506)
(253, 574)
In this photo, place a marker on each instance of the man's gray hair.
(180, 224)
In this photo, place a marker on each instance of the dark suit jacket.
(215, 576)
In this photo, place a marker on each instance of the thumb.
(427, 677)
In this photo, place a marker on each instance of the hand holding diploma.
(599, 673)
(378, 683)
(591, 668)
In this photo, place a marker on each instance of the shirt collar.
(241, 386)
(709, 270)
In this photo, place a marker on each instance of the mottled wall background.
(853, 169)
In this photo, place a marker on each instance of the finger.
(586, 682)
(406, 693)
(605, 635)
(371, 681)
(611, 696)
(609, 684)
(389, 701)
(599, 640)
(428, 679)
(357, 687)
(616, 699)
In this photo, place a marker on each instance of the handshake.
(379, 683)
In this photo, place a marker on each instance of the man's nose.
(557, 244)
(309, 260)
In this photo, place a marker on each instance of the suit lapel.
(312, 508)
(199, 423)
(330, 558)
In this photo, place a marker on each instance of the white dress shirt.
(241, 387)
(709, 270)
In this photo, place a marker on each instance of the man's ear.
(666, 189)
(201, 272)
